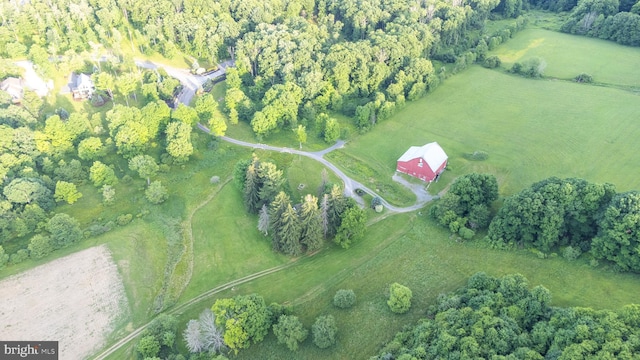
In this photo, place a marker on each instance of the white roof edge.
(431, 153)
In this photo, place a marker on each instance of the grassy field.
(227, 243)
(531, 129)
(409, 249)
(569, 55)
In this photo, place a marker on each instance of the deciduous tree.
(101, 174)
(64, 230)
(179, 141)
(156, 193)
(245, 319)
(352, 226)
(324, 331)
(67, 192)
(91, 148)
(145, 165)
(399, 298)
(290, 331)
(301, 135)
(40, 246)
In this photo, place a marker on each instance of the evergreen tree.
(336, 206)
(263, 220)
(271, 180)
(324, 215)
(289, 232)
(277, 208)
(251, 190)
(311, 223)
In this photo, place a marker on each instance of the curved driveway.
(349, 184)
(190, 82)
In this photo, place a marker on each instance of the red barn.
(424, 162)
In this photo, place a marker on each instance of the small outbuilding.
(424, 162)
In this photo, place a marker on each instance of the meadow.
(411, 250)
(567, 55)
(531, 130)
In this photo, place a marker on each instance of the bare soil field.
(74, 300)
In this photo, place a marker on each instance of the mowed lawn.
(227, 244)
(531, 129)
(568, 55)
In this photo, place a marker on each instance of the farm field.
(44, 303)
(531, 130)
(567, 55)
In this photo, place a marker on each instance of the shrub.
(477, 155)
(20, 256)
(344, 299)
(532, 68)
(584, 78)
(324, 331)
(40, 246)
(98, 229)
(290, 331)
(399, 298)
(466, 233)
(571, 253)
(124, 219)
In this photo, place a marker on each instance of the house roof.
(431, 153)
(77, 81)
(13, 86)
(84, 80)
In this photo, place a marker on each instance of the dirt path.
(179, 280)
(179, 309)
(350, 185)
(74, 300)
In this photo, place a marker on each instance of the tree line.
(615, 20)
(572, 213)
(501, 318)
(297, 228)
(230, 325)
(569, 214)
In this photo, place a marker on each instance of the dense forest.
(501, 318)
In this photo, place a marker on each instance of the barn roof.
(431, 153)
